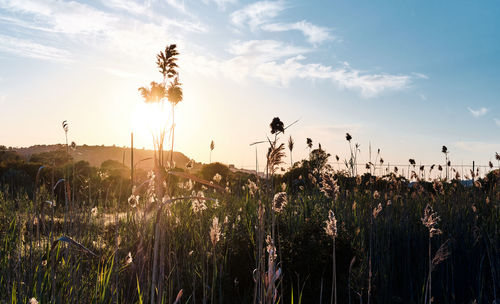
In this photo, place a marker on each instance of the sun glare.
(149, 118)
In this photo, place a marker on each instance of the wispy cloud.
(221, 4)
(479, 112)
(314, 34)
(257, 13)
(84, 27)
(25, 48)
(497, 122)
(63, 17)
(106, 31)
(178, 5)
(130, 6)
(420, 75)
(277, 63)
(264, 50)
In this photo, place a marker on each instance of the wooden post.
(132, 160)
(473, 171)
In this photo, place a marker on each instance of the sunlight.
(149, 118)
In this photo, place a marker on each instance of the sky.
(405, 77)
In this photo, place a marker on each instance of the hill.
(96, 155)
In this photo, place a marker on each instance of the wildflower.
(129, 259)
(283, 187)
(217, 178)
(33, 301)
(412, 161)
(377, 210)
(309, 142)
(376, 195)
(430, 220)
(215, 231)
(329, 185)
(354, 205)
(348, 137)
(133, 200)
(331, 225)
(438, 187)
(51, 204)
(442, 254)
(190, 164)
(279, 201)
(252, 187)
(271, 249)
(198, 205)
(93, 211)
(487, 200)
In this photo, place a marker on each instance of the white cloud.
(420, 75)
(278, 64)
(220, 3)
(178, 5)
(497, 122)
(423, 97)
(81, 26)
(63, 17)
(25, 48)
(130, 6)
(264, 50)
(257, 13)
(315, 34)
(479, 112)
(130, 39)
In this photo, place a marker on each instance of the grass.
(395, 243)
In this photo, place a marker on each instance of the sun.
(150, 118)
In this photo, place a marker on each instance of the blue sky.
(405, 76)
